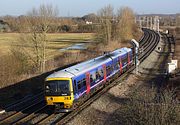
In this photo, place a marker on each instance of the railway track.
(148, 42)
(38, 113)
(15, 108)
(23, 113)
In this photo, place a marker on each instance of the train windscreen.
(57, 87)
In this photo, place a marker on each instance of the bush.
(10, 68)
(65, 28)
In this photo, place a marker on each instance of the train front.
(59, 94)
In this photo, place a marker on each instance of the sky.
(83, 7)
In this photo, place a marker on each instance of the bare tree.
(126, 23)
(41, 20)
(113, 29)
(35, 42)
(105, 19)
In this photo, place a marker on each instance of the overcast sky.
(83, 7)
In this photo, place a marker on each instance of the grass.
(56, 41)
(6, 40)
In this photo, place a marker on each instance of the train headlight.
(49, 98)
(67, 106)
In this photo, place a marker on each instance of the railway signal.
(136, 46)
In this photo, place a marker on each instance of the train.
(67, 88)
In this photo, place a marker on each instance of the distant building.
(87, 22)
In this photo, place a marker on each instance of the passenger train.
(65, 89)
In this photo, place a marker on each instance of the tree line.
(58, 24)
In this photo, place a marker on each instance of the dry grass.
(56, 41)
(6, 39)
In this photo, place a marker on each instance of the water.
(78, 46)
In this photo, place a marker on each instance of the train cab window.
(57, 87)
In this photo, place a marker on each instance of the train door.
(104, 70)
(87, 82)
(120, 63)
(128, 56)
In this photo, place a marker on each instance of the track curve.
(40, 114)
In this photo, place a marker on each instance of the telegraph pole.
(147, 23)
(154, 23)
(151, 19)
(140, 23)
(158, 24)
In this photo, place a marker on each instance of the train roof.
(119, 52)
(88, 65)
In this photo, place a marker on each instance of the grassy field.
(6, 40)
(56, 41)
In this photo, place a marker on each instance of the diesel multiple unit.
(66, 88)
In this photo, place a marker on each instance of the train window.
(97, 75)
(116, 66)
(91, 79)
(79, 85)
(124, 59)
(94, 76)
(101, 73)
(131, 56)
(108, 70)
(111, 68)
(127, 57)
(84, 82)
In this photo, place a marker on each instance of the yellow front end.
(65, 101)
